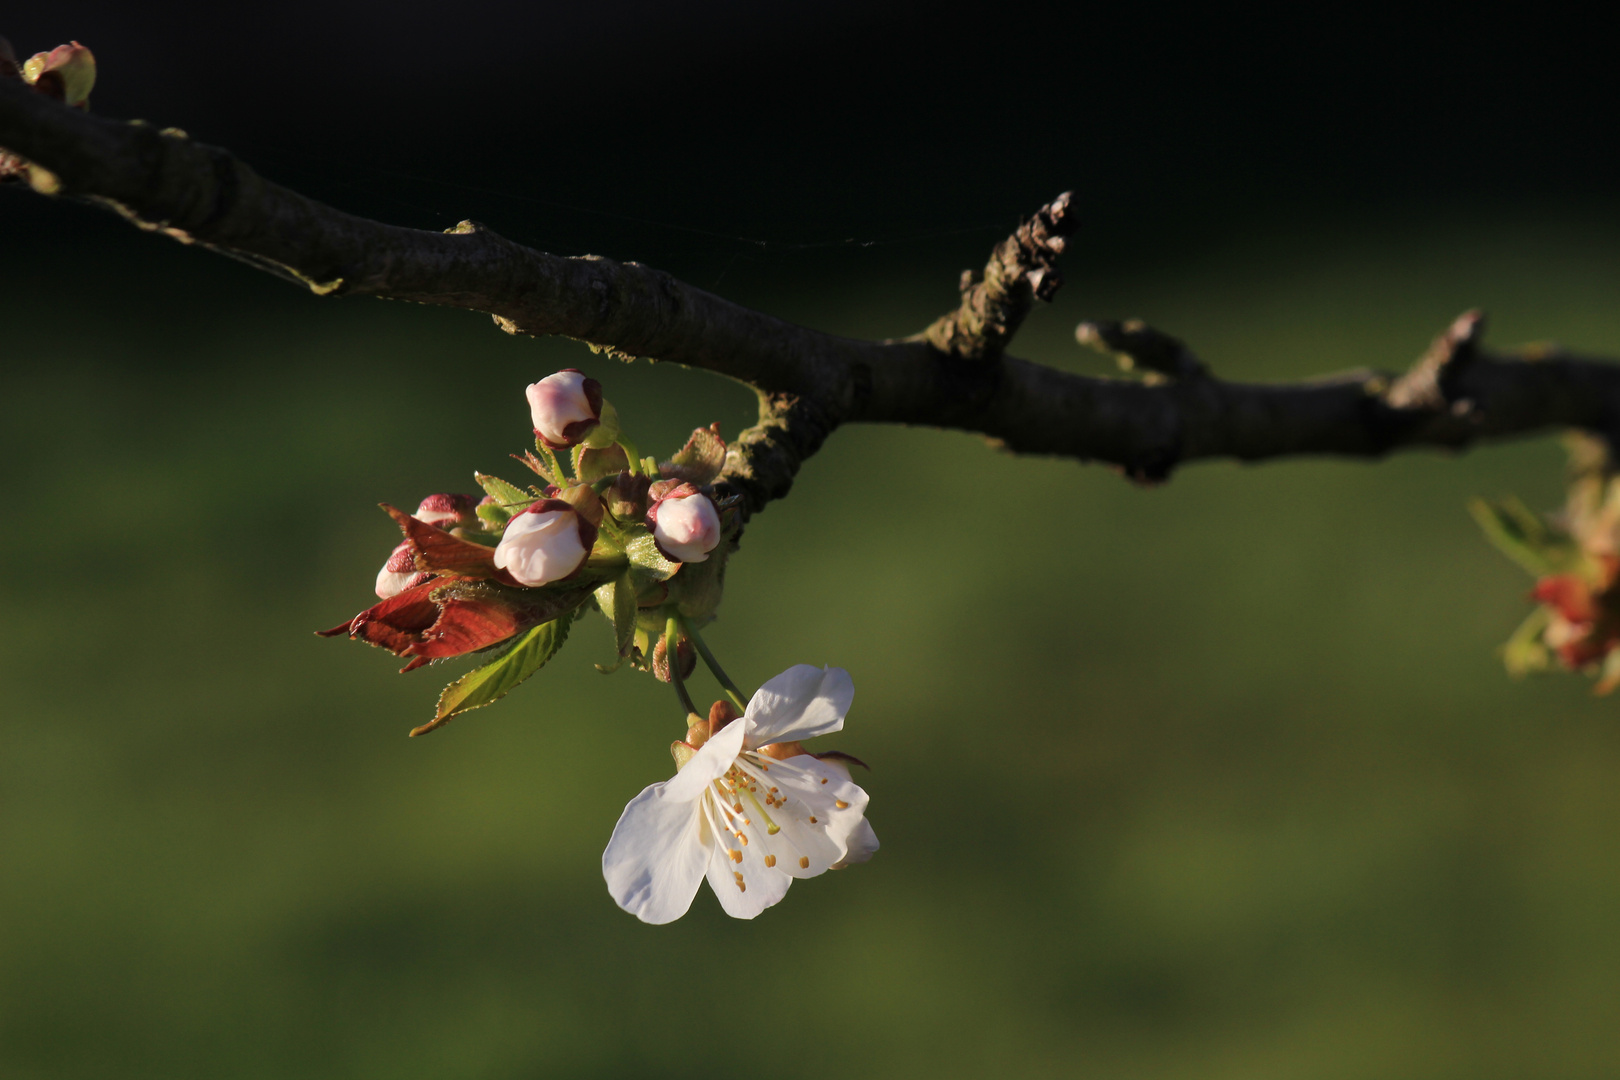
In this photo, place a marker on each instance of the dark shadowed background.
(1221, 778)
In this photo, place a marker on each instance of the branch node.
(1137, 345)
(1432, 383)
(996, 300)
(762, 461)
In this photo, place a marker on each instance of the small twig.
(995, 301)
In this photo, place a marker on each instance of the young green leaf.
(700, 460)
(507, 495)
(495, 680)
(1525, 537)
(1525, 652)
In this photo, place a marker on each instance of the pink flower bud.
(545, 543)
(564, 407)
(447, 511)
(685, 524)
(399, 572)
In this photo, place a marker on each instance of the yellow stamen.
(804, 862)
(770, 860)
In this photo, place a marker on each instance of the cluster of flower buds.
(603, 527)
(644, 542)
(66, 73)
(1575, 556)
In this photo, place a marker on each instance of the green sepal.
(1525, 537)
(495, 680)
(698, 590)
(647, 563)
(493, 516)
(591, 464)
(617, 599)
(1525, 652)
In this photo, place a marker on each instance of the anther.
(804, 862)
(841, 804)
(770, 860)
(736, 855)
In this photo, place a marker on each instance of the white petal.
(800, 703)
(863, 844)
(687, 527)
(655, 858)
(557, 401)
(759, 886)
(824, 809)
(538, 548)
(390, 584)
(709, 763)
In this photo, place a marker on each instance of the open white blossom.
(747, 821)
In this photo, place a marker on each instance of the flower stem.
(672, 658)
(714, 665)
(629, 449)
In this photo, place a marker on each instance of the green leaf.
(1525, 537)
(495, 680)
(502, 492)
(1525, 652)
(617, 600)
(509, 501)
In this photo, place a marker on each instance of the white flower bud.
(564, 407)
(545, 543)
(685, 524)
(399, 572)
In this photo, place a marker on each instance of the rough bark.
(955, 374)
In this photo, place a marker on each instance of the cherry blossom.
(747, 808)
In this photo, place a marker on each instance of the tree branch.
(953, 375)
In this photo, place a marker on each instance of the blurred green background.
(1220, 779)
(1216, 779)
